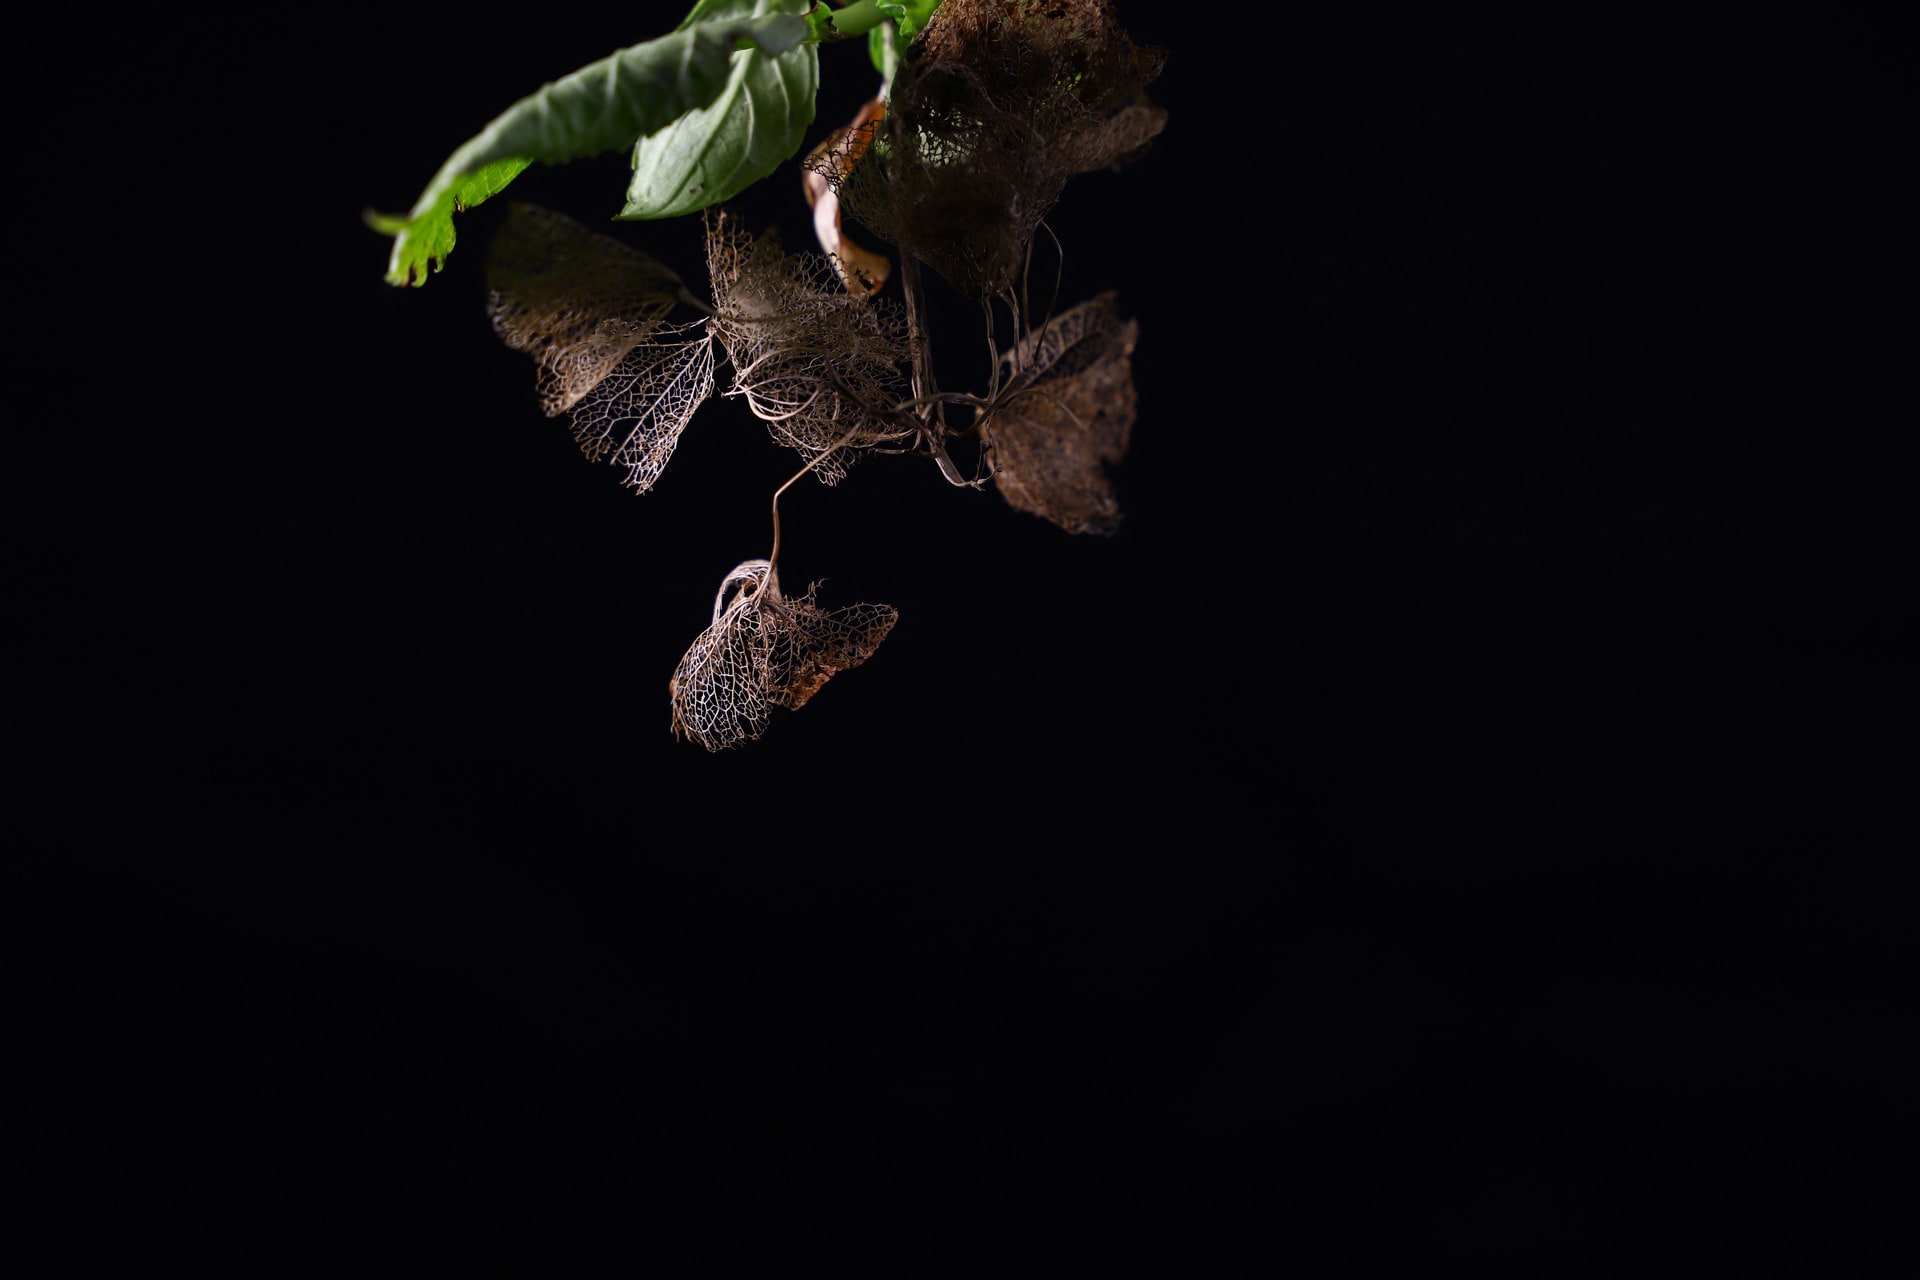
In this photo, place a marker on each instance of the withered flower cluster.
(995, 106)
(998, 103)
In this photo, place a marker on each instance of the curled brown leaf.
(861, 270)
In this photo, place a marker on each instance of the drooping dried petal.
(1068, 413)
(717, 693)
(996, 106)
(820, 367)
(764, 651)
(811, 645)
(638, 411)
(575, 300)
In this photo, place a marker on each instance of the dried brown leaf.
(861, 270)
(1067, 413)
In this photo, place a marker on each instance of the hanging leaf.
(1066, 413)
(573, 299)
(588, 309)
(639, 410)
(604, 106)
(715, 152)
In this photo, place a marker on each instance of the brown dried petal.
(1069, 412)
(638, 411)
(575, 300)
(861, 270)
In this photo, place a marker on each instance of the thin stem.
(857, 18)
(993, 350)
(695, 301)
(918, 339)
(773, 556)
(945, 397)
(1059, 272)
(768, 415)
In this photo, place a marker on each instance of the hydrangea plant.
(985, 109)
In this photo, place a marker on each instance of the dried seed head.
(998, 104)
(764, 651)
(1067, 414)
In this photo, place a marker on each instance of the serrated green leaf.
(421, 243)
(604, 106)
(718, 151)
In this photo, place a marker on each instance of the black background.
(1453, 821)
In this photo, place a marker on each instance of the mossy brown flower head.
(998, 103)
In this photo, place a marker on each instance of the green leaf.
(858, 19)
(421, 243)
(716, 152)
(604, 106)
(909, 16)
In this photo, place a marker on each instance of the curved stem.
(945, 397)
(745, 572)
(769, 416)
(773, 556)
(993, 350)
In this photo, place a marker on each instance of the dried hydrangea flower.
(763, 651)
(995, 107)
(822, 368)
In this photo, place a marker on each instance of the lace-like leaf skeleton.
(762, 651)
(591, 312)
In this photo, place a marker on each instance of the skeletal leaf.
(764, 651)
(639, 409)
(573, 299)
(818, 366)
(589, 310)
(1067, 413)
